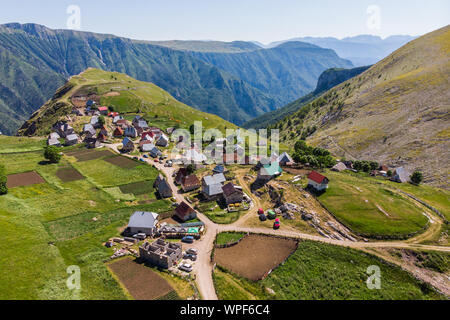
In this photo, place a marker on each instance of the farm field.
(370, 209)
(140, 281)
(326, 272)
(24, 179)
(69, 174)
(255, 255)
(24, 144)
(53, 223)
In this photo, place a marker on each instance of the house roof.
(102, 108)
(190, 181)
(213, 189)
(214, 179)
(143, 219)
(340, 166)
(317, 177)
(53, 142)
(271, 169)
(285, 157)
(126, 141)
(183, 210)
(229, 189)
(163, 186)
(94, 120)
(219, 169)
(118, 131)
(401, 174)
(71, 137)
(147, 147)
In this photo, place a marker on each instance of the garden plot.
(138, 188)
(69, 174)
(86, 155)
(122, 162)
(254, 256)
(140, 281)
(24, 179)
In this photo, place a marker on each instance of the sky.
(227, 20)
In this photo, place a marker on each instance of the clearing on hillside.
(255, 255)
(24, 179)
(138, 188)
(140, 281)
(69, 174)
(122, 162)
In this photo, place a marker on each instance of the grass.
(105, 174)
(20, 144)
(318, 271)
(138, 188)
(370, 209)
(229, 237)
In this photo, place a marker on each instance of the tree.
(366, 166)
(416, 177)
(389, 173)
(51, 153)
(192, 129)
(101, 120)
(3, 180)
(190, 169)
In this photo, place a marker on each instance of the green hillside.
(395, 113)
(129, 96)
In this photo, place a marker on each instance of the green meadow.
(370, 209)
(48, 227)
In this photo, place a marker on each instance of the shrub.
(3, 179)
(51, 153)
(416, 177)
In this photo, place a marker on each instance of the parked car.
(192, 257)
(192, 251)
(135, 158)
(145, 156)
(156, 160)
(140, 236)
(262, 217)
(185, 267)
(142, 159)
(188, 239)
(277, 224)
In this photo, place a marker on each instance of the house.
(401, 175)
(193, 156)
(348, 164)
(317, 181)
(154, 152)
(53, 142)
(384, 168)
(269, 171)
(128, 145)
(113, 115)
(95, 122)
(143, 222)
(163, 187)
(339, 167)
(104, 131)
(103, 110)
(118, 132)
(139, 122)
(102, 137)
(92, 143)
(117, 118)
(190, 183)
(184, 212)
(88, 130)
(122, 123)
(212, 186)
(148, 135)
(77, 111)
(145, 145)
(285, 159)
(180, 175)
(63, 129)
(130, 132)
(162, 254)
(219, 169)
(90, 103)
(231, 194)
(54, 135)
(71, 140)
(163, 141)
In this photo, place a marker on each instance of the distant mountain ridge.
(36, 60)
(361, 50)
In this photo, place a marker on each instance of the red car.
(156, 160)
(277, 224)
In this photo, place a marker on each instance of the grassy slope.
(49, 227)
(395, 112)
(135, 96)
(325, 272)
(354, 202)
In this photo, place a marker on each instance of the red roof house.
(317, 181)
(184, 212)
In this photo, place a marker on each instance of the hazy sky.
(227, 20)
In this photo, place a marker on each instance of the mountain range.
(396, 112)
(35, 61)
(361, 50)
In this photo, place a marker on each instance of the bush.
(416, 177)
(3, 180)
(51, 153)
